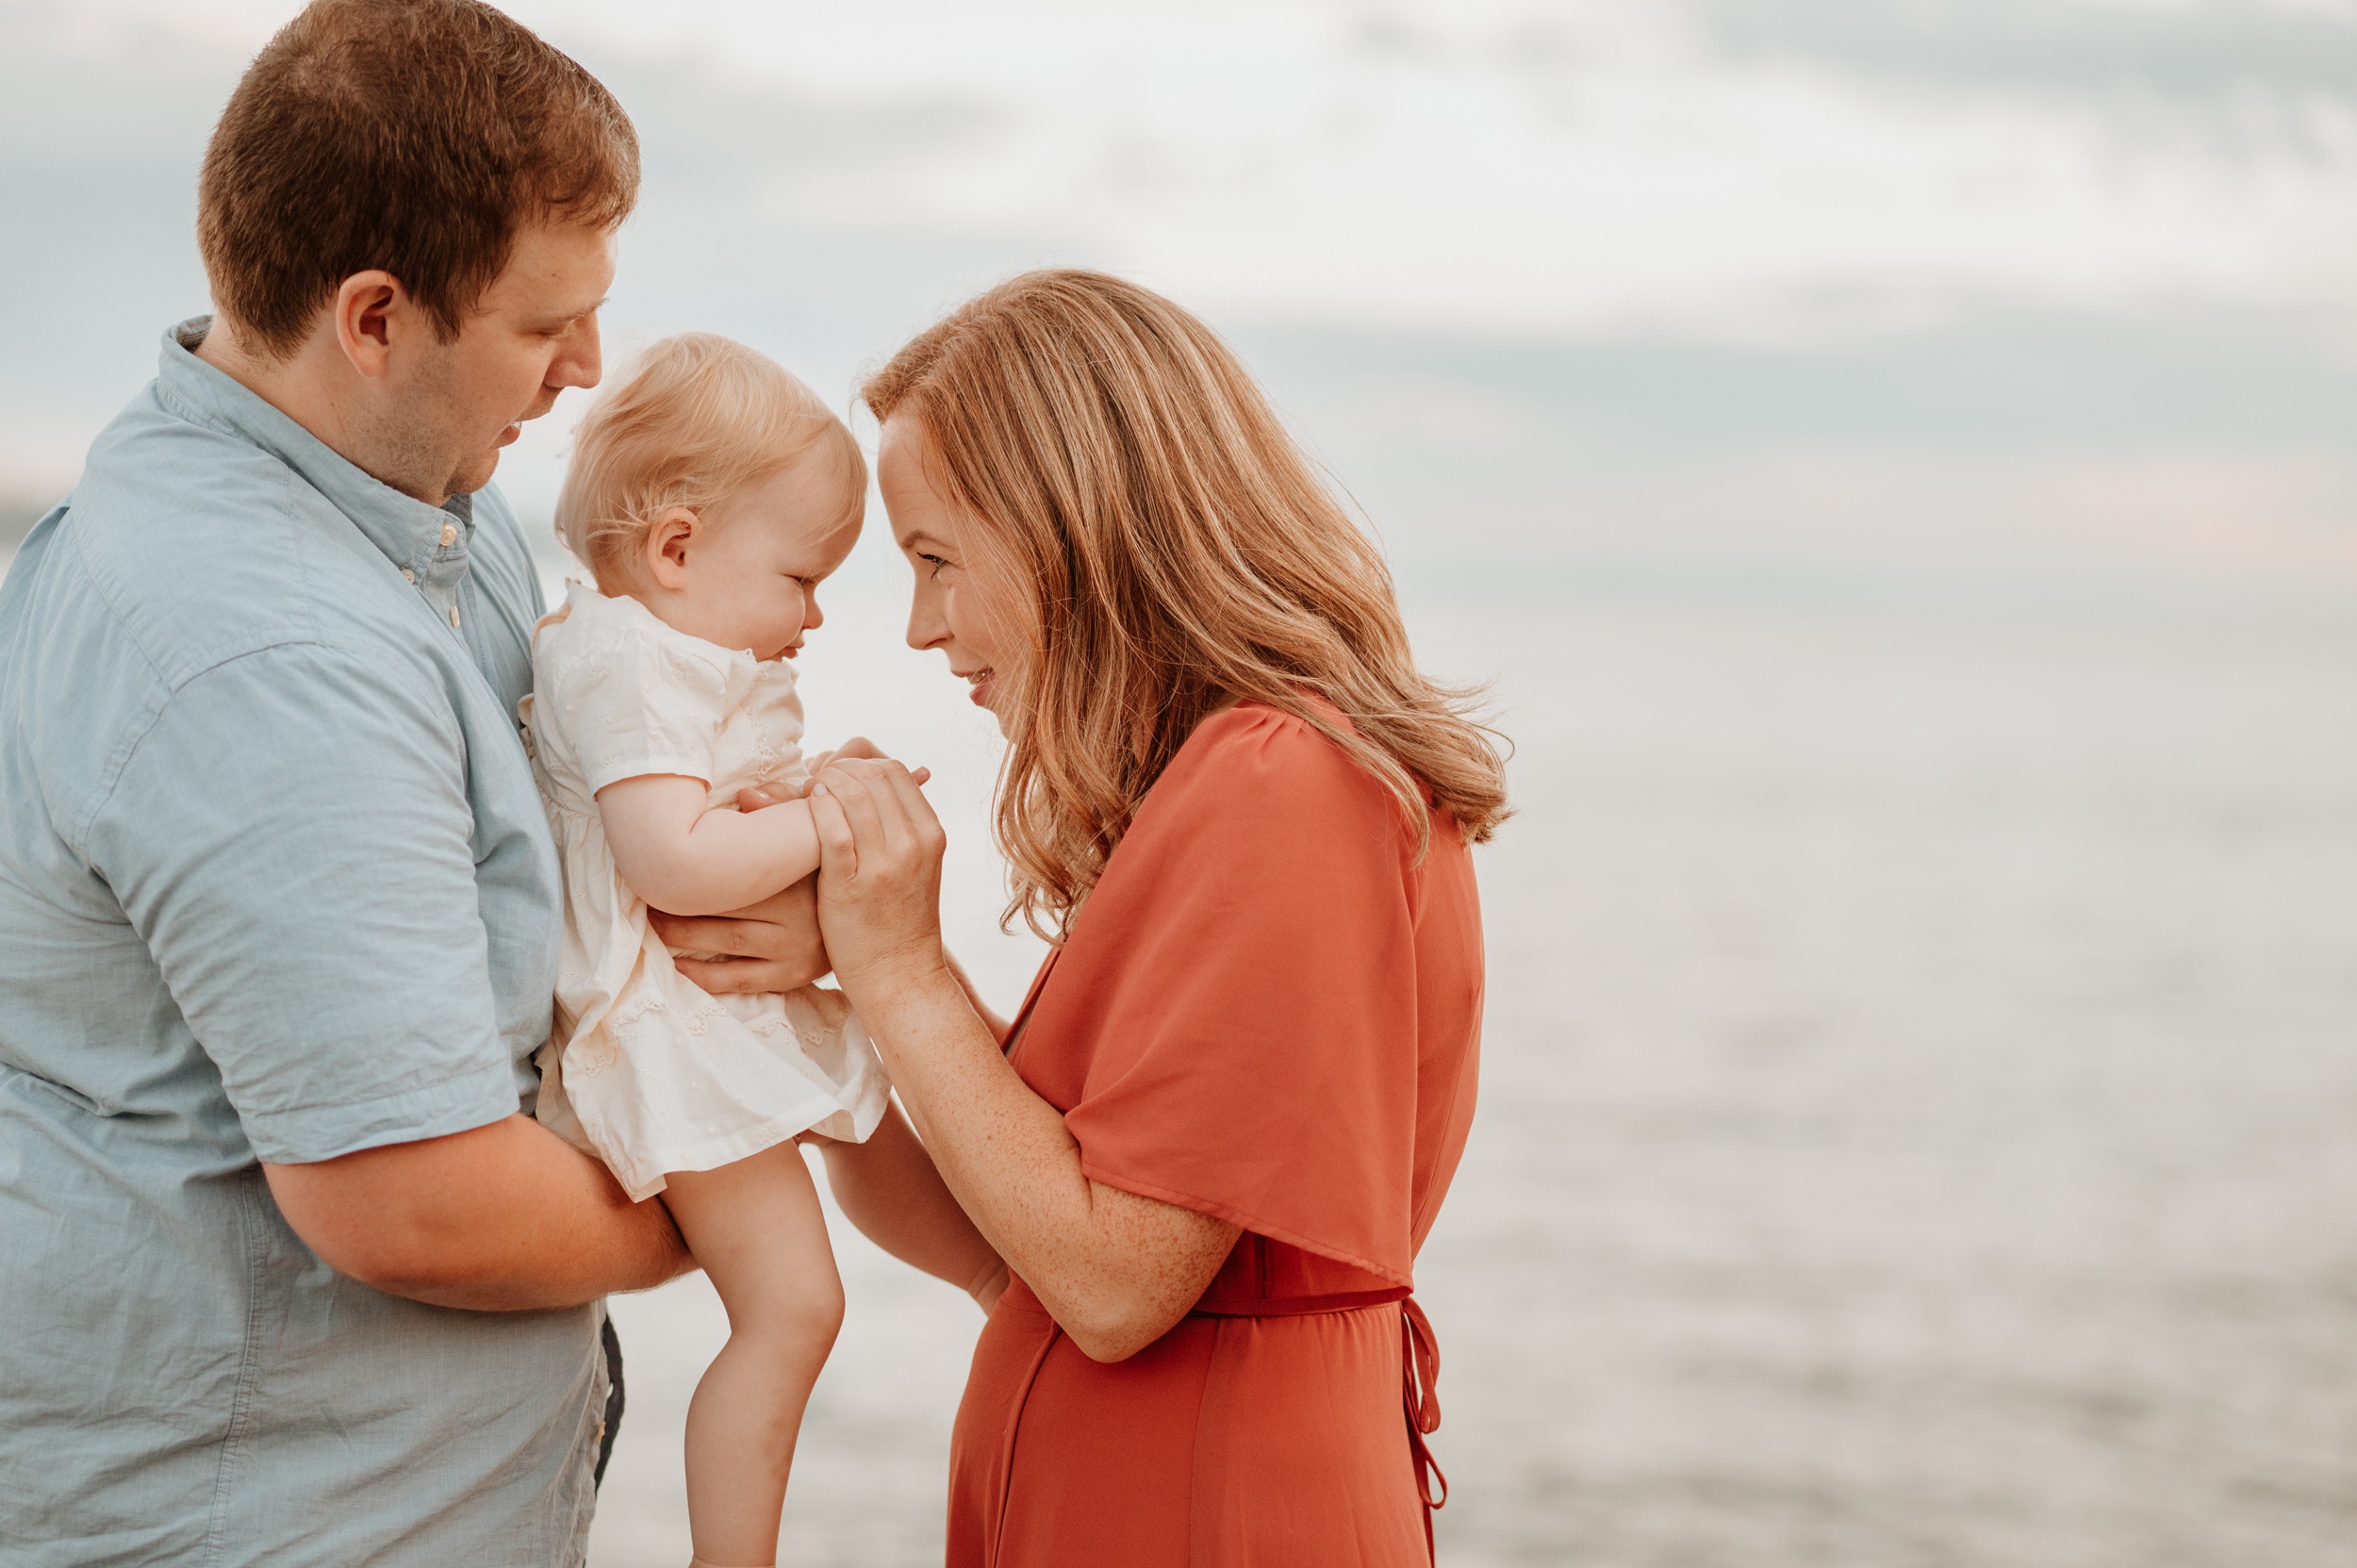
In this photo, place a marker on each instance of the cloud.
(1584, 167)
(2204, 55)
(1565, 166)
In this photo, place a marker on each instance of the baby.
(710, 493)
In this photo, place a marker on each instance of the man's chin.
(475, 474)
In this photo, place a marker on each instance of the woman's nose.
(926, 628)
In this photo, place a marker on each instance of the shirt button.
(454, 617)
(409, 576)
(449, 535)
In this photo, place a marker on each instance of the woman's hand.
(1116, 1270)
(771, 946)
(878, 876)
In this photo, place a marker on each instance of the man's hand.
(771, 946)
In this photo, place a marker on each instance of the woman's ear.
(676, 528)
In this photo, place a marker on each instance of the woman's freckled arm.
(1117, 1270)
(996, 1022)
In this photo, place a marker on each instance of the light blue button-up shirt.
(275, 885)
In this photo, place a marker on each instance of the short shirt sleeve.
(633, 702)
(1243, 977)
(292, 840)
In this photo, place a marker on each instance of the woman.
(1225, 1117)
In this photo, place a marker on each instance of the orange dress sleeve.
(1232, 1025)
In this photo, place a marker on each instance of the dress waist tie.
(1419, 1379)
(1419, 1371)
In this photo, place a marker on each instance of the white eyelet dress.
(646, 1069)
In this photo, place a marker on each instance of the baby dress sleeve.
(1245, 975)
(635, 702)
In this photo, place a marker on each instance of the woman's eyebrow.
(910, 540)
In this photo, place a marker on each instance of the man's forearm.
(888, 1187)
(507, 1217)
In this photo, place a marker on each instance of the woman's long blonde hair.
(1109, 452)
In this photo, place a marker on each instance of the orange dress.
(1268, 1011)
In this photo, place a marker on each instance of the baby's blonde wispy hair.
(698, 420)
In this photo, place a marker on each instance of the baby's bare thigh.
(759, 1234)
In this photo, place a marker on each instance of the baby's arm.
(687, 860)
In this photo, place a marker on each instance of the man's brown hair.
(415, 136)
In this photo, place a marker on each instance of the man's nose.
(583, 360)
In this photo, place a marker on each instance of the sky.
(1715, 166)
(2109, 245)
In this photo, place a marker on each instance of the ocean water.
(1917, 1122)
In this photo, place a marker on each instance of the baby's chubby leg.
(756, 1229)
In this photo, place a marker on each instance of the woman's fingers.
(881, 920)
(916, 831)
(846, 783)
(838, 846)
(924, 823)
(890, 816)
(901, 813)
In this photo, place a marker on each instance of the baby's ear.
(669, 537)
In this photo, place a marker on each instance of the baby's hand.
(771, 795)
(858, 746)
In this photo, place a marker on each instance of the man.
(279, 911)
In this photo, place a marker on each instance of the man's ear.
(370, 309)
(676, 530)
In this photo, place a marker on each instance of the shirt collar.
(427, 543)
